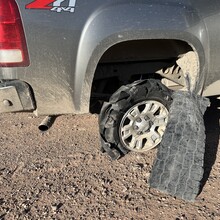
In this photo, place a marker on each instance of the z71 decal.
(53, 5)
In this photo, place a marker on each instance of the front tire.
(135, 117)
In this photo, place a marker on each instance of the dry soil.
(62, 174)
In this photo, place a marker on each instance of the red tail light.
(13, 48)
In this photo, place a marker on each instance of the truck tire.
(178, 168)
(135, 117)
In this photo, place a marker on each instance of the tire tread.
(182, 170)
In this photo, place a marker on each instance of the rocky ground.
(62, 174)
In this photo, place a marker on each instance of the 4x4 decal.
(53, 5)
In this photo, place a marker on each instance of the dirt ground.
(62, 174)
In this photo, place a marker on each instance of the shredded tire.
(178, 168)
(123, 99)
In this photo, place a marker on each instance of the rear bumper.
(16, 96)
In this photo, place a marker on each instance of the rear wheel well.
(128, 61)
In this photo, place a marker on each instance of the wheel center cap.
(142, 124)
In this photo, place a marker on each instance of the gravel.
(62, 174)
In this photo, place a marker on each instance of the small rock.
(56, 207)
(2, 201)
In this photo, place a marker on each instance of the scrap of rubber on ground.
(178, 167)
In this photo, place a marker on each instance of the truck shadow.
(211, 118)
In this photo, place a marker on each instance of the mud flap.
(178, 168)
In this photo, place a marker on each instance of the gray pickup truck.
(71, 56)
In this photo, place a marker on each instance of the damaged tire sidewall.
(124, 99)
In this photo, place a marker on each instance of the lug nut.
(146, 118)
(139, 120)
(136, 127)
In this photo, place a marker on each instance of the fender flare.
(116, 23)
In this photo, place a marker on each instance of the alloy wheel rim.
(143, 125)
